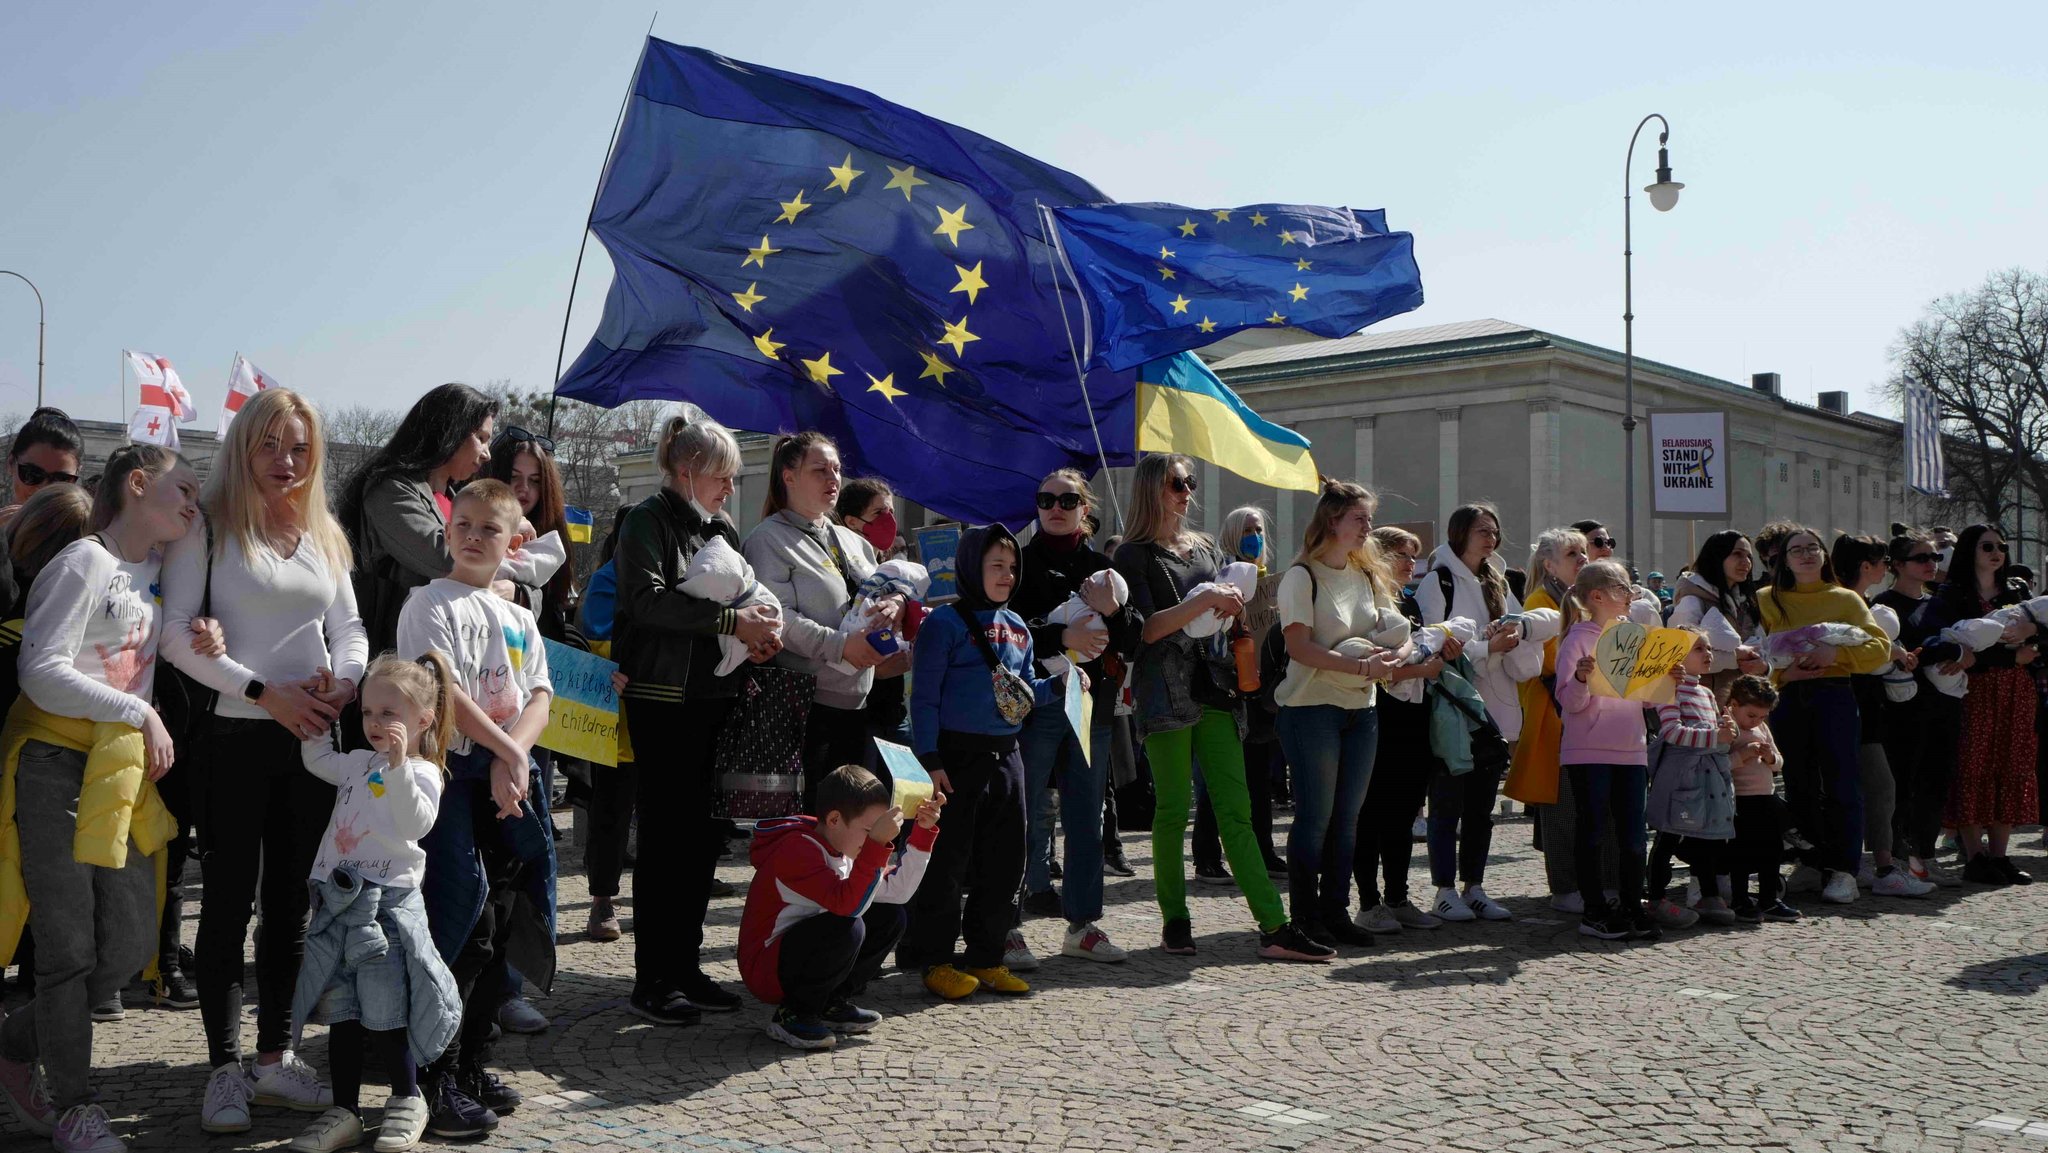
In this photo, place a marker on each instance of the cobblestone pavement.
(1888, 1024)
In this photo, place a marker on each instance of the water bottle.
(1246, 652)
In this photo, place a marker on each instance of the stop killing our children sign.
(1689, 457)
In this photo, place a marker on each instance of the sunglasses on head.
(34, 474)
(1600, 541)
(1066, 500)
(1181, 483)
(514, 434)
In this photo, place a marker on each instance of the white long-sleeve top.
(1723, 637)
(88, 643)
(1498, 673)
(380, 813)
(284, 617)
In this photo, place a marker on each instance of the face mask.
(690, 498)
(881, 531)
(1253, 545)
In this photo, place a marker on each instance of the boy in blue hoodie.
(961, 735)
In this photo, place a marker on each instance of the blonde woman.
(1338, 590)
(278, 567)
(1187, 707)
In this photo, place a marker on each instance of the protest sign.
(1080, 709)
(1635, 663)
(583, 719)
(936, 546)
(913, 786)
(1689, 457)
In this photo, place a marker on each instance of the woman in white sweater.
(274, 566)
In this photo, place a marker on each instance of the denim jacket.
(354, 921)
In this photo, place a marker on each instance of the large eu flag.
(796, 254)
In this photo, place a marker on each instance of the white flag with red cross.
(163, 403)
(244, 381)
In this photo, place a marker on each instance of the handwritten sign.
(913, 786)
(583, 719)
(1634, 663)
(936, 546)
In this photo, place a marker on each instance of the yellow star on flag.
(1187, 227)
(1301, 266)
(904, 178)
(749, 298)
(821, 369)
(952, 224)
(760, 255)
(1298, 292)
(1222, 216)
(1258, 220)
(791, 209)
(768, 346)
(971, 282)
(1166, 253)
(1165, 273)
(886, 386)
(1179, 303)
(934, 368)
(1207, 325)
(958, 336)
(1276, 318)
(1286, 237)
(842, 176)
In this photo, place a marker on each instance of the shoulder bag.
(1014, 699)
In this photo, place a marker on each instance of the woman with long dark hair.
(1920, 740)
(46, 450)
(1718, 597)
(1994, 787)
(1860, 563)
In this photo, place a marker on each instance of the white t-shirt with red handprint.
(88, 640)
(494, 644)
(380, 813)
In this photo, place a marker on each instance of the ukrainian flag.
(1185, 408)
(579, 524)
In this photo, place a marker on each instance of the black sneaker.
(1178, 937)
(2012, 872)
(847, 1017)
(453, 1113)
(486, 1088)
(1288, 943)
(1054, 870)
(1316, 931)
(707, 995)
(722, 888)
(664, 1007)
(1212, 874)
(110, 1009)
(174, 990)
(1043, 904)
(1340, 928)
(1747, 912)
(1983, 870)
(1781, 912)
(1642, 928)
(1114, 863)
(1604, 928)
(1276, 867)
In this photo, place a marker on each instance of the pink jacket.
(1597, 730)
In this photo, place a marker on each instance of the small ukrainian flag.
(1183, 407)
(579, 524)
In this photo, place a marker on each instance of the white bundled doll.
(1537, 625)
(1899, 683)
(534, 560)
(719, 573)
(1243, 576)
(1975, 636)
(879, 603)
(1075, 611)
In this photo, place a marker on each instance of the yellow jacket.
(116, 801)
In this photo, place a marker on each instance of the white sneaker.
(1089, 943)
(1414, 918)
(404, 1123)
(334, 1130)
(1378, 919)
(1806, 879)
(1451, 907)
(226, 1106)
(1487, 908)
(84, 1129)
(1900, 883)
(1840, 889)
(519, 1016)
(292, 1084)
(1571, 903)
(1934, 873)
(1692, 893)
(1017, 955)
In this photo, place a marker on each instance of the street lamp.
(39, 329)
(1663, 197)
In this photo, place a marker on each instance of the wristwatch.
(252, 691)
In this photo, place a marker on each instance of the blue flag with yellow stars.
(794, 254)
(1163, 278)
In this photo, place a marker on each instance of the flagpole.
(1052, 235)
(122, 374)
(562, 348)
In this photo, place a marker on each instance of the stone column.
(1446, 464)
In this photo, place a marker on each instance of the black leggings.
(1386, 822)
(1759, 847)
(1709, 860)
(614, 789)
(346, 1043)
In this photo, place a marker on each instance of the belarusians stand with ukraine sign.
(791, 253)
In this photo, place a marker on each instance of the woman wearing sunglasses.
(46, 451)
(1056, 563)
(1921, 734)
(1187, 707)
(1644, 606)
(1994, 786)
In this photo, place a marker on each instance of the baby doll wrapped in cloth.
(1241, 576)
(719, 573)
(1075, 611)
(880, 599)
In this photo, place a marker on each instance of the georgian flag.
(163, 403)
(244, 381)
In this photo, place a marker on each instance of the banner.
(583, 719)
(1689, 458)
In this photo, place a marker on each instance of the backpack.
(1273, 654)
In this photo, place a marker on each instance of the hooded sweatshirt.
(1496, 674)
(797, 875)
(950, 686)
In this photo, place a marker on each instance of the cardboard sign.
(913, 786)
(1634, 663)
(936, 547)
(583, 719)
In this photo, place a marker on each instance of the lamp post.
(1663, 197)
(39, 329)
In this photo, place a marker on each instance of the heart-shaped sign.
(1614, 657)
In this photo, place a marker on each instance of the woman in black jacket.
(666, 643)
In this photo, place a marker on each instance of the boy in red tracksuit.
(826, 906)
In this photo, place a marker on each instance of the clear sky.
(371, 198)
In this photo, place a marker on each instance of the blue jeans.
(1048, 743)
(1330, 751)
(1600, 792)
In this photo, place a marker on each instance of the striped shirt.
(1691, 720)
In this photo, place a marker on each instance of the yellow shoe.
(951, 983)
(997, 980)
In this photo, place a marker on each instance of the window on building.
(1784, 473)
(1876, 490)
(1816, 478)
(1845, 486)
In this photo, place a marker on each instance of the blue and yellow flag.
(579, 524)
(1185, 408)
(1163, 278)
